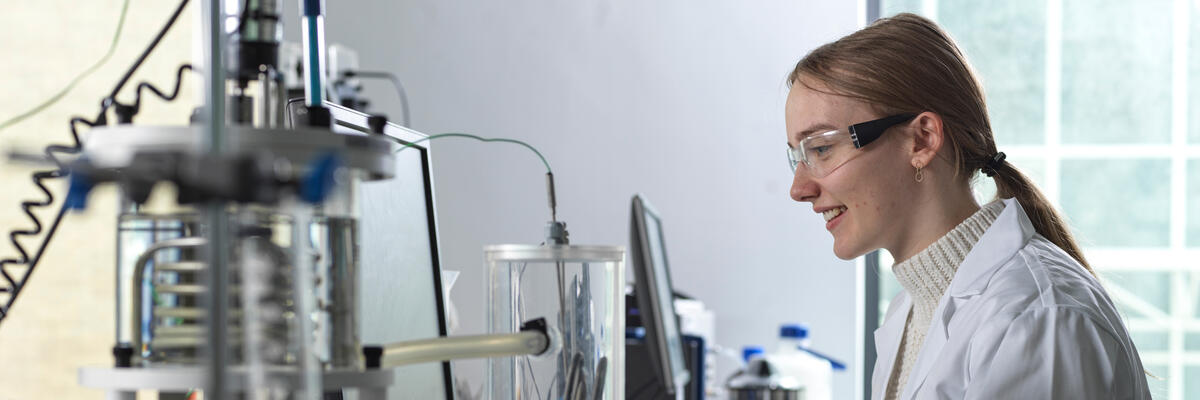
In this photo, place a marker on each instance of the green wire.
(482, 139)
(112, 47)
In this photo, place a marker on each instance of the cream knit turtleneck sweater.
(926, 276)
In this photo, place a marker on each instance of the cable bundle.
(10, 286)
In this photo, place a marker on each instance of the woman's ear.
(928, 137)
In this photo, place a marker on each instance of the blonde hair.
(907, 64)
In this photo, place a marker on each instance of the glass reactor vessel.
(579, 291)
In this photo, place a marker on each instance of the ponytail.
(1011, 183)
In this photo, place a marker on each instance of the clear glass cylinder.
(579, 291)
(160, 267)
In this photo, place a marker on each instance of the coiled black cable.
(137, 101)
(11, 286)
(53, 152)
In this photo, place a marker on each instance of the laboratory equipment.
(698, 324)
(578, 291)
(749, 352)
(247, 285)
(760, 379)
(400, 275)
(295, 265)
(299, 256)
(794, 357)
(655, 297)
(641, 377)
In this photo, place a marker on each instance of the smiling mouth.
(833, 213)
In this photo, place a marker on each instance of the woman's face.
(863, 200)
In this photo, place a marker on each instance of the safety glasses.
(823, 152)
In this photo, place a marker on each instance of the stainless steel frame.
(113, 147)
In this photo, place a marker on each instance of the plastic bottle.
(749, 352)
(794, 358)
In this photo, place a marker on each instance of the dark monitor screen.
(400, 287)
(654, 293)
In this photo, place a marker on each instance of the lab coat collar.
(1007, 235)
(1011, 230)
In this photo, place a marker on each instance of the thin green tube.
(112, 47)
(479, 138)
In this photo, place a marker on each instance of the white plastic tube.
(453, 348)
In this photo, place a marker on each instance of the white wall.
(679, 100)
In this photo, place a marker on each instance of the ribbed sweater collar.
(927, 275)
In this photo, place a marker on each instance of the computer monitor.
(400, 287)
(652, 287)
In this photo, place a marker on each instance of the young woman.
(886, 128)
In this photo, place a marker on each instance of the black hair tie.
(994, 164)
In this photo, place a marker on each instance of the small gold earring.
(920, 175)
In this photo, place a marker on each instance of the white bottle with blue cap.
(749, 352)
(795, 358)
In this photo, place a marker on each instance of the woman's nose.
(804, 188)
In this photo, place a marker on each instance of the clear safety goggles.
(823, 152)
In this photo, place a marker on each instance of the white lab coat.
(1020, 320)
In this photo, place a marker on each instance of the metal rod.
(253, 265)
(217, 220)
(304, 299)
(266, 99)
(561, 378)
(214, 71)
(280, 100)
(550, 195)
(217, 300)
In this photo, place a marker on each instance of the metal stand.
(123, 383)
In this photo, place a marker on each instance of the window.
(1094, 100)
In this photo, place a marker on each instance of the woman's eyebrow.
(814, 128)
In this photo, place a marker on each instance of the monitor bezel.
(646, 291)
(357, 121)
